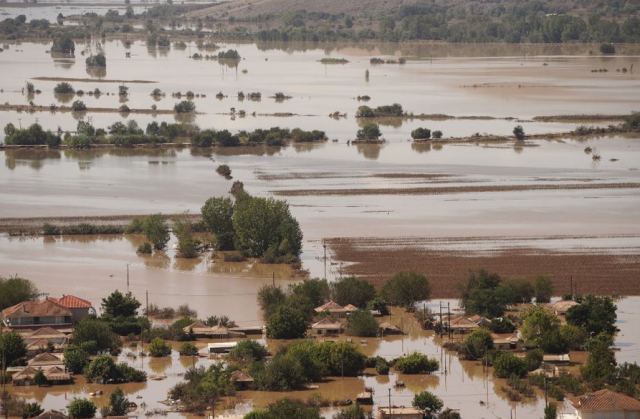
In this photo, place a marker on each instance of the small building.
(557, 359)
(462, 324)
(44, 339)
(386, 328)
(601, 404)
(332, 308)
(45, 359)
(326, 327)
(36, 314)
(366, 398)
(241, 380)
(201, 330)
(400, 413)
(79, 307)
(350, 308)
(221, 347)
(505, 341)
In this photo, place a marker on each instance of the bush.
(607, 48)
(248, 351)
(351, 290)
(518, 132)
(477, 344)
(145, 248)
(63, 45)
(184, 107)
(369, 131)
(156, 230)
(188, 349)
(437, 134)
(421, 134)
(78, 106)
(506, 364)
(285, 408)
(406, 288)
(63, 88)
(98, 60)
(224, 170)
(382, 366)
(75, 359)
(416, 363)
(158, 348)
(362, 323)
(534, 359)
(81, 408)
(428, 403)
(502, 325)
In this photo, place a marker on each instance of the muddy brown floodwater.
(543, 206)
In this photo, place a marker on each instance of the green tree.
(188, 349)
(518, 132)
(543, 289)
(600, 367)
(421, 134)
(187, 244)
(428, 402)
(286, 408)
(483, 294)
(270, 297)
(78, 106)
(406, 288)
(550, 411)
(248, 351)
(537, 324)
(39, 378)
(316, 291)
(477, 344)
(75, 359)
(369, 131)
(156, 230)
(340, 358)
(351, 290)
(362, 323)
(159, 348)
(81, 409)
(281, 373)
(264, 227)
(351, 412)
(217, 214)
(93, 336)
(63, 44)
(287, 322)
(534, 359)
(506, 364)
(594, 314)
(574, 336)
(416, 363)
(12, 347)
(118, 403)
(118, 304)
(14, 290)
(101, 370)
(31, 410)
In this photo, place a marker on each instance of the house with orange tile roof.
(34, 314)
(80, 308)
(601, 404)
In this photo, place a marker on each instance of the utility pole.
(571, 286)
(546, 401)
(441, 323)
(324, 245)
(449, 317)
(273, 279)
(127, 277)
(389, 401)
(147, 301)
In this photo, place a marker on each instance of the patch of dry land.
(447, 262)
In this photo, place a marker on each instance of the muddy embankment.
(33, 225)
(90, 80)
(594, 271)
(64, 108)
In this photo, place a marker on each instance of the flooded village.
(293, 209)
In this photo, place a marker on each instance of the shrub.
(534, 359)
(184, 107)
(382, 366)
(607, 48)
(506, 364)
(159, 348)
(421, 134)
(63, 45)
(98, 60)
(416, 363)
(81, 409)
(145, 248)
(437, 134)
(428, 403)
(477, 344)
(248, 350)
(188, 349)
(78, 106)
(369, 131)
(224, 170)
(406, 288)
(156, 230)
(518, 132)
(63, 88)
(75, 359)
(351, 290)
(362, 323)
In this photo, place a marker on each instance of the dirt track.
(593, 271)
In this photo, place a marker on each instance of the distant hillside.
(450, 20)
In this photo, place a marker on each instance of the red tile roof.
(36, 308)
(71, 301)
(605, 401)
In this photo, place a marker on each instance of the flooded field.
(522, 209)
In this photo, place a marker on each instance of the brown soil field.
(454, 189)
(598, 273)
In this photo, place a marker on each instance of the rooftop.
(605, 401)
(71, 301)
(36, 308)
